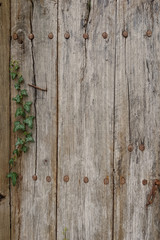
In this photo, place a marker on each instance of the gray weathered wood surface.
(86, 102)
(4, 119)
(102, 95)
(33, 202)
(137, 119)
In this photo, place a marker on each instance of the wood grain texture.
(137, 119)
(86, 101)
(34, 202)
(4, 119)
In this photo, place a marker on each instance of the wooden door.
(96, 126)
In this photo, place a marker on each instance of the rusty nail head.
(48, 179)
(31, 36)
(104, 35)
(144, 182)
(141, 147)
(66, 178)
(85, 36)
(149, 33)
(130, 147)
(106, 180)
(50, 35)
(34, 177)
(125, 34)
(122, 180)
(20, 177)
(67, 35)
(15, 36)
(86, 180)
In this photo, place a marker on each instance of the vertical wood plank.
(86, 102)
(4, 119)
(137, 119)
(34, 202)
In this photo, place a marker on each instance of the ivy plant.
(23, 120)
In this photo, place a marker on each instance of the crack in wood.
(34, 82)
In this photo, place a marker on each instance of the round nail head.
(144, 182)
(67, 35)
(104, 35)
(122, 181)
(125, 34)
(149, 33)
(106, 181)
(86, 180)
(130, 148)
(50, 35)
(48, 179)
(31, 36)
(141, 147)
(34, 177)
(15, 36)
(85, 36)
(66, 178)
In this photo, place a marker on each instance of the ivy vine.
(24, 121)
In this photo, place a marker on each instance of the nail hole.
(1, 197)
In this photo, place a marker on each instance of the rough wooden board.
(86, 100)
(34, 203)
(4, 119)
(137, 119)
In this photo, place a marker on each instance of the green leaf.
(24, 148)
(17, 86)
(17, 98)
(20, 112)
(27, 106)
(11, 161)
(16, 66)
(20, 79)
(29, 138)
(29, 121)
(16, 152)
(18, 126)
(20, 141)
(24, 92)
(13, 177)
(13, 75)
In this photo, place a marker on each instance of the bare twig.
(42, 89)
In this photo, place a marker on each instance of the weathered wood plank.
(137, 119)
(4, 119)
(86, 101)
(34, 202)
